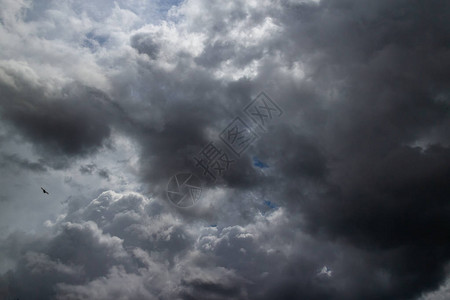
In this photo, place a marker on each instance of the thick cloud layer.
(120, 97)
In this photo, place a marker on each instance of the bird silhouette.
(44, 191)
(325, 271)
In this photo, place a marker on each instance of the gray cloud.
(59, 127)
(88, 169)
(358, 163)
(144, 45)
(13, 160)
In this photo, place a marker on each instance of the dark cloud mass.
(69, 126)
(354, 175)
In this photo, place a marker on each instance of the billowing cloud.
(107, 101)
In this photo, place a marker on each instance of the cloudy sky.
(106, 103)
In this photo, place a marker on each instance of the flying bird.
(44, 191)
(325, 271)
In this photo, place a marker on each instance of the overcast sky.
(340, 156)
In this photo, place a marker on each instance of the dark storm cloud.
(359, 161)
(189, 119)
(61, 127)
(377, 71)
(382, 67)
(70, 126)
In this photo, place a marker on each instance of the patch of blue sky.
(165, 5)
(270, 204)
(154, 11)
(258, 163)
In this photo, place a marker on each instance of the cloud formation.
(131, 91)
